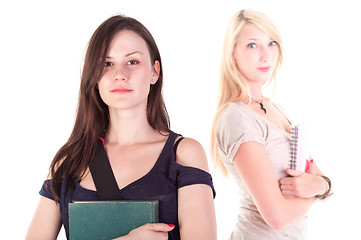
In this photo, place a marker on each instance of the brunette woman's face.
(128, 72)
(255, 54)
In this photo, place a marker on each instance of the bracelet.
(327, 193)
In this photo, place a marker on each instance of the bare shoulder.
(191, 153)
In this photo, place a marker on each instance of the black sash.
(103, 175)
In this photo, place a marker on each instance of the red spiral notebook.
(299, 152)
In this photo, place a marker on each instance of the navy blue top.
(160, 183)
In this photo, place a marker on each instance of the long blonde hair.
(233, 87)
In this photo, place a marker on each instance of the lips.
(264, 69)
(121, 90)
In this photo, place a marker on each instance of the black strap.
(103, 175)
(176, 145)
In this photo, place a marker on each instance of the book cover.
(299, 152)
(109, 219)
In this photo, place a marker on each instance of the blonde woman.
(251, 136)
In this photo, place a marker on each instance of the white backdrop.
(42, 46)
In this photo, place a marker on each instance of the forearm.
(295, 210)
(280, 212)
(46, 222)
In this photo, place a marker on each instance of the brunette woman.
(121, 104)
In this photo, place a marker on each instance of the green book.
(109, 219)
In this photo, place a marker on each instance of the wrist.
(327, 189)
(323, 186)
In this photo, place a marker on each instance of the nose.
(265, 54)
(120, 74)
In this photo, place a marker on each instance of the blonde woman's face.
(255, 54)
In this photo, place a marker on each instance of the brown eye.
(108, 64)
(132, 62)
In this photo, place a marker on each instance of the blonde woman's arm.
(254, 167)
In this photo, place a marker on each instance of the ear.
(155, 75)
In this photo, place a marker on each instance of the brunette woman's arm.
(196, 212)
(46, 222)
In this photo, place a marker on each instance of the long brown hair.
(92, 118)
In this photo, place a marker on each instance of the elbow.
(277, 225)
(277, 222)
(277, 217)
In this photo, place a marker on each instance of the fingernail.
(307, 169)
(171, 225)
(311, 160)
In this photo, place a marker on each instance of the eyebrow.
(257, 39)
(129, 54)
(135, 52)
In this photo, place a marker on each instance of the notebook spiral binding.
(294, 147)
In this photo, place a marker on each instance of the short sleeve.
(189, 176)
(236, 125)
(45, 190)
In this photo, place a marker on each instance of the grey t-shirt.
(238, 124)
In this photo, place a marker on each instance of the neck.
(127, 126)
(255, 91)
(256, 96)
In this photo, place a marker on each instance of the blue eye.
(252, 45)
(273, 43)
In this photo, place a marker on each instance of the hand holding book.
(149, 231)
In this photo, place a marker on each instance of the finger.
(307, 170)
(312, 167)
(287, 187)
(287, 181)
(287, 193)
(294, 173)
(160, 227)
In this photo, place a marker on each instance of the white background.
(42, 46)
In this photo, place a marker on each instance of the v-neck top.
(160, 183)
(238, 124)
